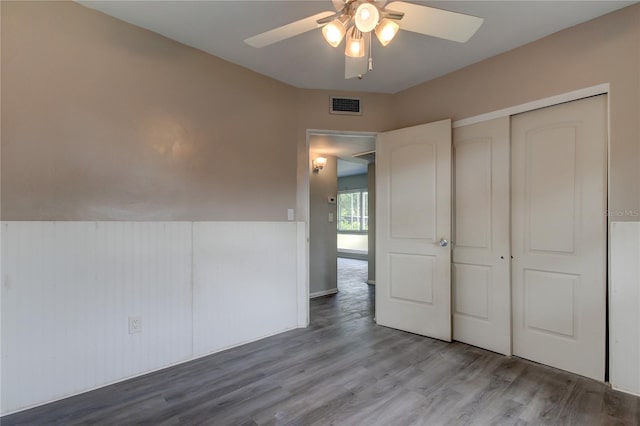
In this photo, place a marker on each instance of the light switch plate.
(290, 214)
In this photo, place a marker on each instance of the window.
(353, 211)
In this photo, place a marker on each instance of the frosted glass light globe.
(367, 17)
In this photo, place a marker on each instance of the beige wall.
(103, 120)
(323, 235)
(605, 50)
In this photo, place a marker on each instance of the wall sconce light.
(318, 164)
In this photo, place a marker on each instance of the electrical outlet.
(135, 324)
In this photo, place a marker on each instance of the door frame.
(600, 89)
(304, 307)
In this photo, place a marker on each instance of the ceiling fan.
(357, 19)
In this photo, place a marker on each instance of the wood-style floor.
(345, 370)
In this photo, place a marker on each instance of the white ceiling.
(307, 61)
(349, 168)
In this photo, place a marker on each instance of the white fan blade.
(436, 22)
(287, 31)
(327, 19)
(338, 4)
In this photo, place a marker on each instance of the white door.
(413, 207)
(481, 263)
(559, 235)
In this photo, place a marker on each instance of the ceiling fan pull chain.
(370, 53)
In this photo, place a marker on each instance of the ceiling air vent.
(349, 106)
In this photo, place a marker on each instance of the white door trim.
(599, 89)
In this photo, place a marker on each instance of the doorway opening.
(341, 220)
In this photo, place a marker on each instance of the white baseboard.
(628, 392)
(371, 282)
(323, 293)
(354, 255)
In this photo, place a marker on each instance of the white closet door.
(481, 266)
(559, 235)
(413, 208)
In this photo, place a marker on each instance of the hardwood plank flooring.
(345, 370)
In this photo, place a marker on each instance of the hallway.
(355, 298)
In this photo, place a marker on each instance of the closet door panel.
(559, 235)
(481, 273)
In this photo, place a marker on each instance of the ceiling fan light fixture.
(334, 32)
(367, 17)
(354, 19)
(355, 44)
(387, 31)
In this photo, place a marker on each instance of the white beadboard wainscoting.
(624, 340)
(244, 285)
(69, 288)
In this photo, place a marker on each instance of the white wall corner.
(302, 276)
(624, 312)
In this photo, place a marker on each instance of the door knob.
(443, 242)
